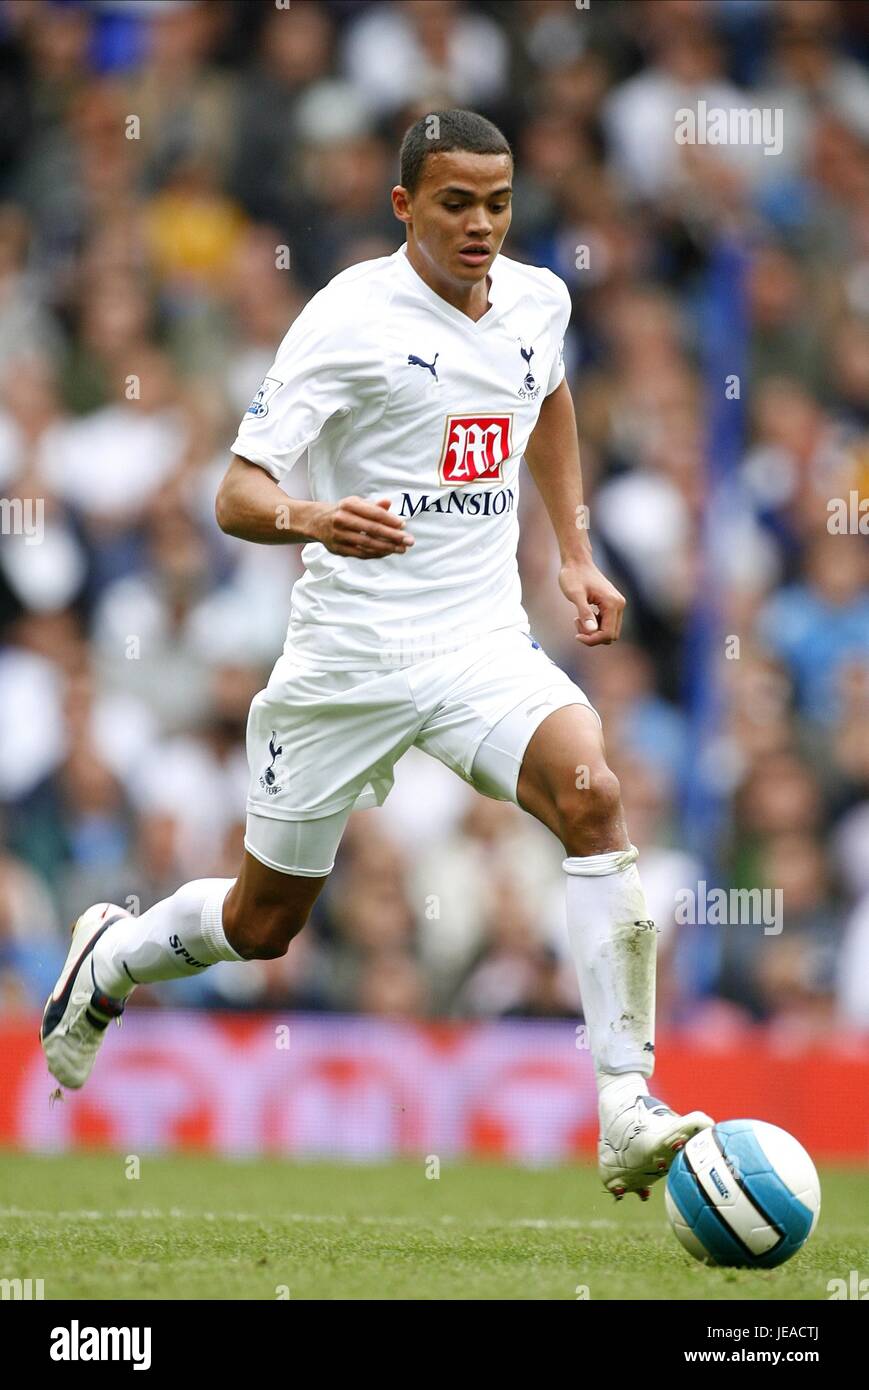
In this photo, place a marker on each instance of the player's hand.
(363, 530)
(599, 604)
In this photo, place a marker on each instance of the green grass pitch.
(206, 1228)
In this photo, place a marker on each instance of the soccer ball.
(743, 1193)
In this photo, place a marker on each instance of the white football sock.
(173, 939)
(614, 946)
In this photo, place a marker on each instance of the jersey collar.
(449, 310)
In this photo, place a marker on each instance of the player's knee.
(589, 810)
(263, 931)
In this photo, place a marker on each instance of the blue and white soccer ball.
(743, 1193)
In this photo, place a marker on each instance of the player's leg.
(579, 801)
(254, 916)
(518, 728)
(564, 781)
(312, 738)
(318, 743)
(265, 908)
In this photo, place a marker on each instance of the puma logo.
(414, 361)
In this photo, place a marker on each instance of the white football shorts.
(321, 744)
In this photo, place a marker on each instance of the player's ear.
(401, 203)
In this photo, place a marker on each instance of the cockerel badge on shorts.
(268, 780)
(475, 447)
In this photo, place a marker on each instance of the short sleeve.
(556, 376)
(323, 369)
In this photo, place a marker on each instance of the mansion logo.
(475, 447)
(492, 502)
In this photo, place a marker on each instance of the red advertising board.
(359, 1087)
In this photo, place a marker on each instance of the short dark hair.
(442, 131)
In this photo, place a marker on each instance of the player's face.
(460, 212)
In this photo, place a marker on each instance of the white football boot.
(639, 1142)
(78, 1013)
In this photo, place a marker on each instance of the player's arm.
(251, 506)
(552, 455)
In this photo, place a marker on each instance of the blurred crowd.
(176, 180)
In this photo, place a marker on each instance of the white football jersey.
(395, 393)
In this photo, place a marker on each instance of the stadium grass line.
(244, 1229)
(177, 1214)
